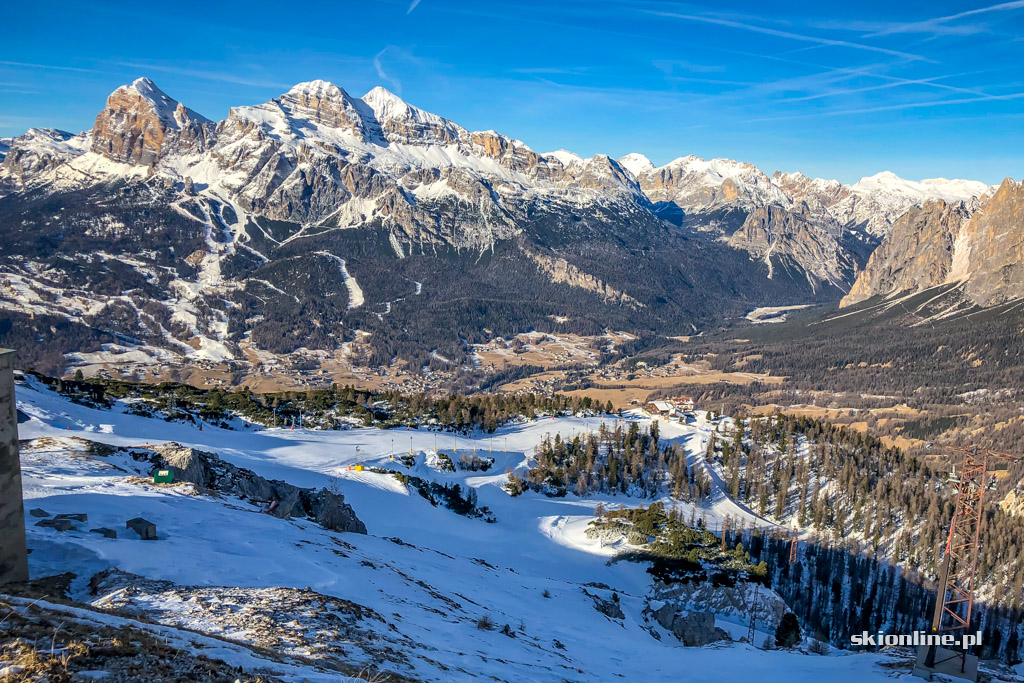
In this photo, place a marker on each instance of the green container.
(163, 476)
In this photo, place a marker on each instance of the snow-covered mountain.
(318, 216)
(826, 227)
(40, 150)
(318, 154)
(697, 185)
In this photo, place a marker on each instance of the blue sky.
(838, 90)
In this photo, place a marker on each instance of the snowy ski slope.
(529, 570)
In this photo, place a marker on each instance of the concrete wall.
(13, 556)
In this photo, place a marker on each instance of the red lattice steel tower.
(954, 602)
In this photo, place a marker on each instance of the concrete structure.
(13, 554)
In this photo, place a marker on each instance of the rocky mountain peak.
(41, 149)
(317, 88)
(994, 269)
(404, 123)
(888, 182)
(386, 105)
(138, 120)
(979, 249)
(921, 252)
(325, 104)
(637, 164)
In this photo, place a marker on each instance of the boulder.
(332, 512)
(144, 528)
(58, 524)
(188, 464)
(694, 629)
(104, 531)
(38, 512)
(609, 608)
(74, 516)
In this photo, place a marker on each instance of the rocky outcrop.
(980, 250)
(561, 271)
(771, 231)
(610, 608)
(993, 270)
(669, 602)
(208, 472)
(694, 629)
(140, 124)
(918, 254)
(1013, 503)
(41, 150)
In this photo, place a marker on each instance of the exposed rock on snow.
(737, 601)
(694, 629)
(336, 634)
(208, 472)
(41, 150)
(609, 608)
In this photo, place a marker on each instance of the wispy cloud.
(412, 6)
(552, 70)
(786, 34)
(670, 66)
(893, 107)
(933, 103)
(395, 83)
(893, 82)
(51, 67)
(937, 24)
(712, 81)
(871, 71)
(880, 28)
(209, 75)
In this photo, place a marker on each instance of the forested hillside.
(873, 520)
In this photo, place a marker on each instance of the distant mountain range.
(320, 220)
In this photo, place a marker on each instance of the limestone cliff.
(918, 254)
(559, 270)
(775, 232)
(994, 269)
(139, 121)
(942, 243)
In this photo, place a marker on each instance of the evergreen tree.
(787, 634)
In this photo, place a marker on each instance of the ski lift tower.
(954, 602)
